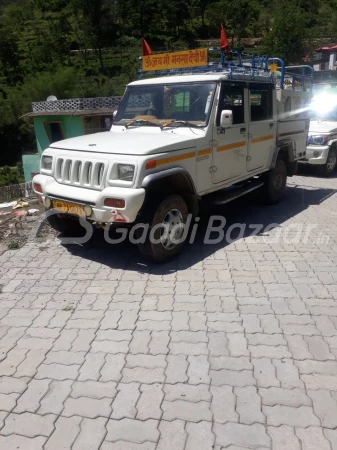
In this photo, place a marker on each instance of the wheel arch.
(172, 181)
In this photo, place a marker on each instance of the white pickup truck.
(176, 141)
(322, 138)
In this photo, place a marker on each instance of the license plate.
(68, 208)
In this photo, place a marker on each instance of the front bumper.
(134, 199)
(316, 154)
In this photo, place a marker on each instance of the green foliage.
(11, 175)
(13, 245)
(78, 48)
(286, 39)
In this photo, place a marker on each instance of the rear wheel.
(275, 182)
(167, 225)
(66, 225)
(329, 167)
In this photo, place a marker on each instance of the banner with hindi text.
(177, 60)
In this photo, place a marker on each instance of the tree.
(287, 37)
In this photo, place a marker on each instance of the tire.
(275, 182)
(66, 225)
(329, 167)
(172, 210)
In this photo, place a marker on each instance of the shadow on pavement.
(248, 210)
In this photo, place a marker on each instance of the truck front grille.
(89, 174)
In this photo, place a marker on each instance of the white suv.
(322, 139)
(177, 141)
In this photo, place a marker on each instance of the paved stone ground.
(230, 346)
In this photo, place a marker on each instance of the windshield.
(324, 107)
(162, 103)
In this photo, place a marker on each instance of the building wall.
(31, 164)
(72, 126)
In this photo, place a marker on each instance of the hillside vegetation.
(78, 48)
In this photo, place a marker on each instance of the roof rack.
(248, 66)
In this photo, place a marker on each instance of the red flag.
(223, 40)
(146, 48)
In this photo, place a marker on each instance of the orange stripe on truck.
(152, 163)
(261, 139)
(207, 151)
(223, 148)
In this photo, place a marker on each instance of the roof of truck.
(188, 78)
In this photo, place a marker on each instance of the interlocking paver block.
(140, 342)
(237, 344)
(143, 375)
(57, 372)
(248, 436)
(15, 442)
(53, 401)
(159, 343)
(176, 369)
(65, 340)
(265, 373)
(8, 401)
(218, 344)
(284, 437)
(187, 392)
(87, 407)
(112, 369)
(298, 347)
(287, 415)
(83, 340)
(325, 407)
(13, 359)
(172, 435)
(148, 406)
(90, 370)
(287, 373)
(28, 367)
(319, 348)
(288, 397)
(31, 398)
(8, 385)
(312, 438)
(223, 404)
(198, 369)
(130, 430)
(93, 389)
(125, 402)
(28, 424)
(91, 435)
(200, 436)
(184, 410)
(249, 405)
(64, 357)
(66, 431)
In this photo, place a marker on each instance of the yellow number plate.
(68, 208)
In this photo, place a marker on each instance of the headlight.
(46, 162)
(125, 172)
(318, 140)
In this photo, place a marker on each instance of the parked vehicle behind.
(321, 150)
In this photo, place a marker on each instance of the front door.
(230, 151)
(262, 128)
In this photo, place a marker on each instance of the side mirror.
(226, 119)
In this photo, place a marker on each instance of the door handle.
(271, 125)
(242, 130)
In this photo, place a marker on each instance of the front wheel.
(275, 182)
(330, 165)
(167, 226)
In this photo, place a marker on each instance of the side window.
(232, 98)
(261, 104)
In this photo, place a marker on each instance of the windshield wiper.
(141, 123)
(181, 123)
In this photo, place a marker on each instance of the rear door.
(262, 126)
